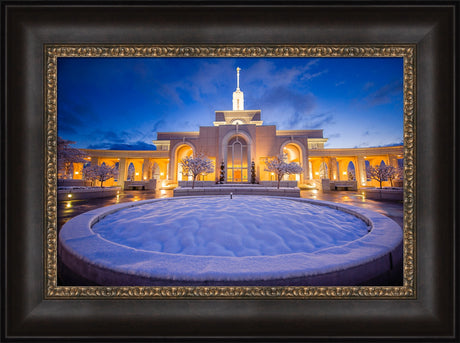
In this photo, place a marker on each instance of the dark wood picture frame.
(28, 27)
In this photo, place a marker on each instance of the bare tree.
(400, 173)
(200, 164)
(380, 173)
(391, 174)
(351, 176)
(66, 155)
(280, 167)
(100, 173)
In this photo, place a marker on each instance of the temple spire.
(238, 78)
(238, 96)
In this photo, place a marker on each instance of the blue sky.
(121, 103)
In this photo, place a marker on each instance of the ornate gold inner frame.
(53, 52)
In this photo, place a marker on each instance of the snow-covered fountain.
(246, 240)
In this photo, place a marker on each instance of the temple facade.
(237, 138)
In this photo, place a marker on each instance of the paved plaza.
(72, 208)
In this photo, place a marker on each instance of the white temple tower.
(238, 96)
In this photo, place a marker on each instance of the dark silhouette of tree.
(253, 172)
(222, 172)
(66, 155)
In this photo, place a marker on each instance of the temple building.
(237, 138)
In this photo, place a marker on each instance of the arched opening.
(367, 164)
(237, 160)
(351, 171)
(182, 152)
(131, 172)
(293, 153)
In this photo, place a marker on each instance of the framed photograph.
(213, 215)
(253, 181)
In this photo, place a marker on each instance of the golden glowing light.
(145, 177)
(161, 174)
(76, 173)
(317, 173)
(68, 204)
(344, 173)
(137, 174)
(69, 195)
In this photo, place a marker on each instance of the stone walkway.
(70, 209)
(392, 209)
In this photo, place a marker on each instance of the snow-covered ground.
(222, 239)
(220, 226)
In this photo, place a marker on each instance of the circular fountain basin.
(247, 240)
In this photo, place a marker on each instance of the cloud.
(370, 133)
(205, 81)
(289, 108)
(318, 121)
(385, 94)
(310, 76)
(334, 135)
(108, 136)
(367, 145)
(120, 146)
(70, 116)
(368, 86)
(265, 74)
(158, 124)
(285, 97)
(65, 128)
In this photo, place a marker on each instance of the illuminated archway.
(182, 152)
(295, 152)
(237, 160)
(131, 171)
(242, 142)
(351, 171)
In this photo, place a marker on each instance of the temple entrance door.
(237, 175)
(237, 160)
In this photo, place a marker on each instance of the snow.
(242, 226)
(246, 238)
